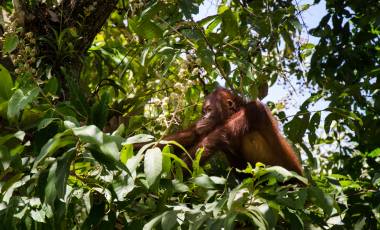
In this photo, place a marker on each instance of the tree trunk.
(67, 31)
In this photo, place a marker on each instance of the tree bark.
(88, 25)
(85, 17)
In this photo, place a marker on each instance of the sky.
(311, 17)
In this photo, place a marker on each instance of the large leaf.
(111, 146)
(10, 43)
(178, 160)
(103, 147)
(280, 174)
(313, 126)
(229, 23)
(6, 83)
(139, 138)
(206, 55)
(60, 140)
(152, 165)
(169, 220)
(99, 111)
(153, 222)
(46, 122)
(19, 101)
(257, 217)
(294, 219)
(57, 178)
(166, 161)
(38, 215)
(16, 184)
(204, 181)
(321, 199)
(89, 134)
(237, 197)
(148, 29)
(296, 128)
(295, 200)
(19, 135)
(126, 153)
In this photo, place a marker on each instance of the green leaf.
(207, 20)
(295, 22)
(16, 183)
(60, 140)
(224, 63)
(289, 45)
(169, 220)
(230, 25)
(177, 160)
(20, 215)
(134, 161)
(179, 186)
(6, 83)
(153, 222)
(280, 174)
(19, 101)
(126, 153)
(139, 138)
(188, 8)
(38, 215)
(89, 134)
(149, 30)
(57, 178)
(328, 120)
(204, 181)
(111, 146)
(153, 165)
(230, 221)
(46, 122)
(150, 11)
(294, 219)
(322, 200)
(10, 43)
(375, 153)
(199, 220)
(294, 200)
(197, 170)
(296, 128)
(257, 217)
(109, 161)
(19, 135)
(206, 56)
(360, 223)
(218, 180)
(346, 114)
(166, 161)
(313, 126)
(307, 46)
(99, 111)
(310, 157)
(304, 7)
(51, 86)
(214, 24)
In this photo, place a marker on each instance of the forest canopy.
(82, 81)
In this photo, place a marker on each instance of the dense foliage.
(82, 81)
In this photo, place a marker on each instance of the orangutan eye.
(230, 103)
(208, 109)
